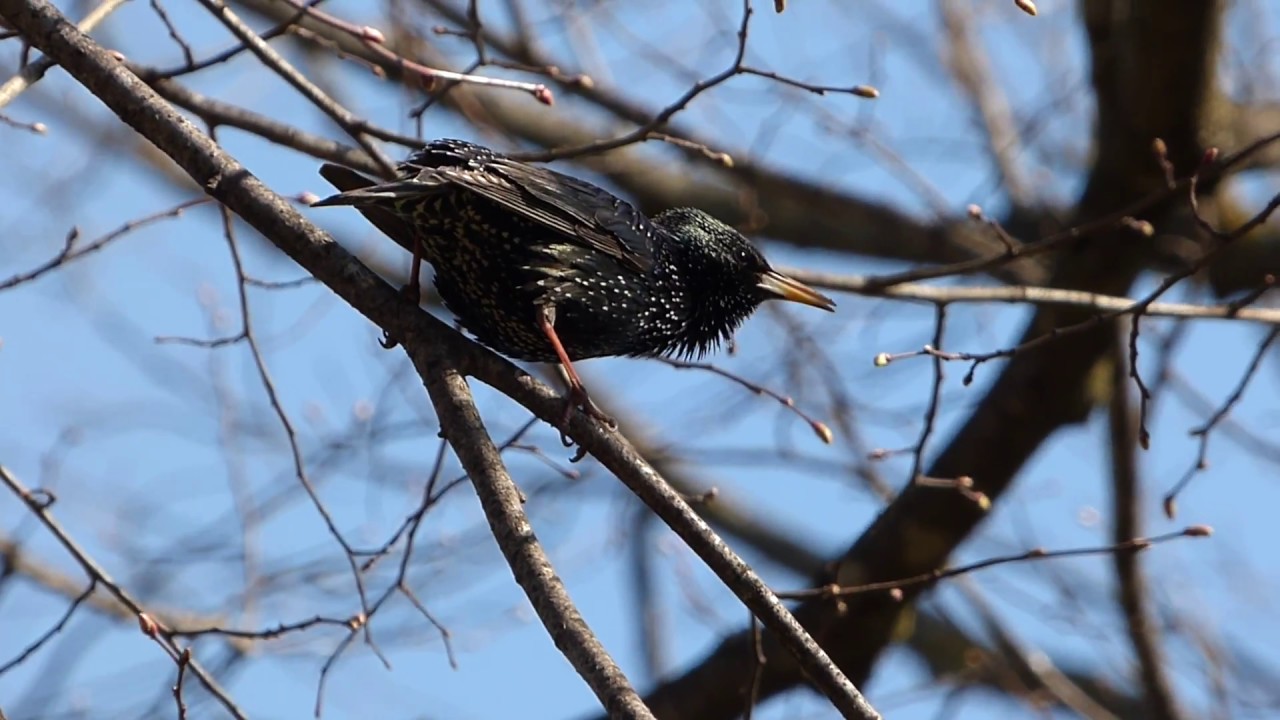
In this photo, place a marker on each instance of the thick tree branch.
(462, 426)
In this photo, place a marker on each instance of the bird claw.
(579, 400)
(567, 441)
(411, 293)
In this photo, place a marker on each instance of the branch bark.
(462, 426)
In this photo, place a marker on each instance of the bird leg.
(414, 289)
(578, 396)
(591, 407)
(411, 292)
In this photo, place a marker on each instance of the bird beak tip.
(784, 288)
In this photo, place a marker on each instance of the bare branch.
(1132, 587)
(31, 73)
(272, 59)
(461, 425)
(1047, 296)
(38, 503)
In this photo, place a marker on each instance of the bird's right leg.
(578, 397)
(589, 405)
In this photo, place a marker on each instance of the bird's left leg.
(412, 292)
(578, 396)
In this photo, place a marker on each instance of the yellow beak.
(784, 288)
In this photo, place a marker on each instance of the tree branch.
(1132, 587)
(38, 504)
(462, 426)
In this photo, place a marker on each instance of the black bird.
(544, 267)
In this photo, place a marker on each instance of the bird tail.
(366, 195)
(358, 189)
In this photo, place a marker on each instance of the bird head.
(727, 277)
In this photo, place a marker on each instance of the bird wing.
(577, 210)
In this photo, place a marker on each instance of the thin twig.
(930, 578)
(291, 435)
(1203, 431)
(176, 36)
(37, 503)
(57, 627)
(819, 428)
(31, 73)
(184, 661)
(1047, 296)
(935, 395)
(1125, 217)
(71, 251)
(37, 128)
(345, 119)
(374, 40)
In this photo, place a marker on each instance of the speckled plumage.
(509, 241)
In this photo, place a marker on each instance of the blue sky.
(150, 446)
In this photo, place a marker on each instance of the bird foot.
(579, 400)
(411, 293)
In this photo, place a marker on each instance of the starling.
(543, 267)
